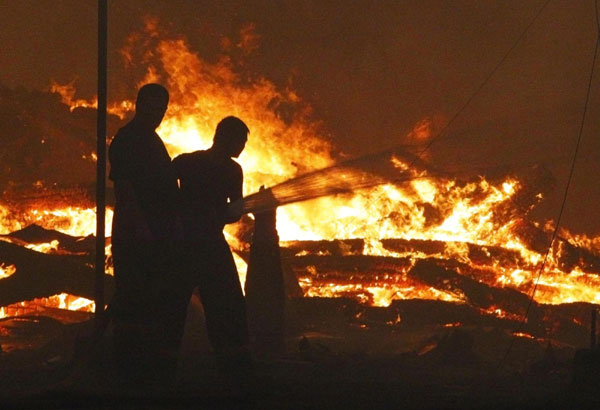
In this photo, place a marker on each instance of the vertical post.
(101, 163)
(593, 330)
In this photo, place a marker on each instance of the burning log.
(431, 272)
(361, 264)
(478, 254)
(35, 234)
(567, 255)
(41, 275)
(337, 247)
(536, 183)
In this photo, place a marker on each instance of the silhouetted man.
(145, 229)
(210, 181)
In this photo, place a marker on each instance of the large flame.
(285, 141)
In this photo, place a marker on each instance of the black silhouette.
(265, 289)
(211, 183)
(144, 235)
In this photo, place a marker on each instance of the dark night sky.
(370, 69)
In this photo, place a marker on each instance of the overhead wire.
(268, 198)
(563, 202)
(568, 184)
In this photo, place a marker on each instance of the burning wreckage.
(383, 251)
(463, 254)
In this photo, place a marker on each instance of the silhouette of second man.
(210, 184)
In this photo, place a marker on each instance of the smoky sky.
(371, 70)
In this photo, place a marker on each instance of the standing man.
(210, 183)
(144, 235)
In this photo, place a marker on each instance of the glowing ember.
(6, 271)
(44, 247)
(500, 313)
(524, 335)
(379, 294)
(73, 221)
(67, 94)
(60, 301)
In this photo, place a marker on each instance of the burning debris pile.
(46, 268)
(464, 243)
(485, 279)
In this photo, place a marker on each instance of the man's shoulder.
(190, 161)
(190, 157)
(234, 165)
(125, 135)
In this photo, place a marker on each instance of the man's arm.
(122, 161)
(235, 207)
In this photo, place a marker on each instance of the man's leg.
(225, 312)
(130, 321)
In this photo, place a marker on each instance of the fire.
(44, 247)
(7, 271)
(286, 141)
(75, 221)
(378, 293)
(500, 313)
(60, 301)
(67, 95)
(523, 335)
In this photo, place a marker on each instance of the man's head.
(151, 104)
(231, 136)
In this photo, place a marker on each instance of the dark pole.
(101, 164)
(593, 329)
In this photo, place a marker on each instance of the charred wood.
(41, 275)
(361, 264)
(433, 273)
(336, 247)
(535, 183)
(558, 322)
(478, 254)
(567, 255)
(35, 234)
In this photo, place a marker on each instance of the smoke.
(44, 143)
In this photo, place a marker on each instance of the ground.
(333, 360)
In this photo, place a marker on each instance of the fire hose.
(394, 166)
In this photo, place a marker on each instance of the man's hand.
(235, 210)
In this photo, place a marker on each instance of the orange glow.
(67, 96)
(6, 271)
(524, 335)
(60, 301)
(75, 221)
(286, 141)
(44, 247)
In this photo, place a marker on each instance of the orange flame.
(286, 141)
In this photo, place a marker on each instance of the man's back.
(148, 309)
(139, 157)
(207, 182)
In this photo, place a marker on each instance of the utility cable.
(331, 181)
(566, 191)
(486, 80)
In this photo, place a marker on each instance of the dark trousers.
(211, 265)
(149, 310)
